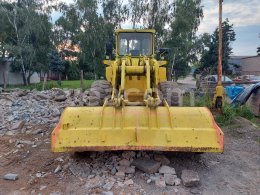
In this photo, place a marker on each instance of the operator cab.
(135, 42)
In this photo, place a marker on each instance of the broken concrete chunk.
(160, 183)
(24, 142)
(124, 162)
(96, 182)
(126, 169)
(146, 165)
(22, 93)
(17, 125)
(162, 159)
(177, 181)
(43, 96)
(11, 176)
(37, 131)
(169, 179)
(58, 169)
(109, 185)
(60, 98)
(120, 175)
(129, 182)
(190, 178)
(167, 170)
(107, 193)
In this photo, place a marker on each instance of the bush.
(203, 101)
(245, 111)
(229, 112)
(227, 116)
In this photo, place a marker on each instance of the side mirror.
(163, 52)
(109, 49)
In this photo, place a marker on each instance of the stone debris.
(177, 181)
(109, 185)
(21, 109)
(33, 112)
(146, 165)
(169, 179)
(80, 169)
(195, 191)
(190, 178)
(160, 183)
(60, 98)
(148, 181)
(162, 159)
(125, 169)
(11, 176)
(42, 187)
(58, 169)
(129, 182)
(96, 182)
(17, 125)
(120, 175)
(24, 142)
(107, 193)
(124, 162)
(167, 170)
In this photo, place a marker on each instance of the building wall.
(251, 65)
(14, 78)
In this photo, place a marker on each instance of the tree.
(115, 12)
(56, 65)
(209, 59)
(137, 9)
(182, 36)
(30, 38)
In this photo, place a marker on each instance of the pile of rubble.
(30, 111)
(21, 109)
(107, 170)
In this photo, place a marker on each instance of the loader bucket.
(188, 129)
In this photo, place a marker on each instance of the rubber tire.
(167, 91)
(98, 92)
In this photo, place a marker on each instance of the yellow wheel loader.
(136, 108)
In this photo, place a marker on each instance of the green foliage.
(182, 37)
(227, 116)
(73, 84)
(26, 35)
(72, 70)
(258, 51)
(209, 59)
(229, 112)
(56, 64)
(89, 26)
(203, 101)
(245, 111)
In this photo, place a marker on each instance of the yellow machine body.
(137, 119)
(189, 129)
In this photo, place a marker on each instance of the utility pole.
(220, 45)
(219, 95)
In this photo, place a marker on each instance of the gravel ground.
(27, 120)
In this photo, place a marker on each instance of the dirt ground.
(236, 171)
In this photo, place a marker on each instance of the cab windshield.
(135, 44)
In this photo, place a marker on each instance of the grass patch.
(204, 101)
(73, 84)
(229, 112)
(258, 140)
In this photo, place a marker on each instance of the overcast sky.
(244, 14)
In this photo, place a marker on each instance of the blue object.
(233, 91)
